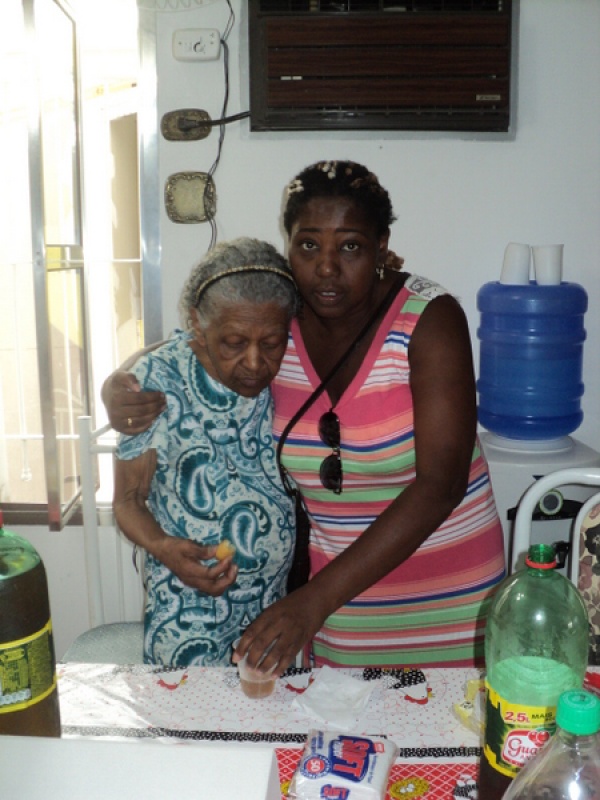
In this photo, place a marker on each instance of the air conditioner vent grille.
(445, 68)
(389, 6)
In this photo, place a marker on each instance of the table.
(437, 755)
(37, 768)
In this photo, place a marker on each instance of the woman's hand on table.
(281, 632)
(130, 410)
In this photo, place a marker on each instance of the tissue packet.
(342, 766)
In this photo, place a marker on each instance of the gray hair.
(270, 282)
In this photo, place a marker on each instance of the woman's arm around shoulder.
(130, 410)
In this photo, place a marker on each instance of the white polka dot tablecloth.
(432, 715)
(415, 708)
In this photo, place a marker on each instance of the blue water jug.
(531, 356)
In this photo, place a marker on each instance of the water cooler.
(515, 465)
(530, 388)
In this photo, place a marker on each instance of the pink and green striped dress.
(431, 610)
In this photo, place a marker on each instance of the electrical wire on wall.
(192, 124)
(224, 120)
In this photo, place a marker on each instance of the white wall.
(62, 554)
(459, 200)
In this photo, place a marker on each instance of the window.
(69, 236)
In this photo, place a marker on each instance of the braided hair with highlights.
(344, 179)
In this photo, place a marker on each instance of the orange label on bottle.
(27, 673)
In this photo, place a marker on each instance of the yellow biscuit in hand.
(224, 549)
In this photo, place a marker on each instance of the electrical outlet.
(196, 44)
(185, 125)
(190, 197)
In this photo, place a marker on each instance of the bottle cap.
(578, 712)
(541, 556)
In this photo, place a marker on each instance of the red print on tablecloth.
(411, 681)
(432, 780)
(299, 682)
(175, 681)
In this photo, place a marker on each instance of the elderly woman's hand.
(130, 410)
(185, 559)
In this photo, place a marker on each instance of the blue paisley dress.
(216, 477)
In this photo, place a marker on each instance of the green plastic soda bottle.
(536, 648)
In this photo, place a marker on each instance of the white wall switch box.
(196, 44)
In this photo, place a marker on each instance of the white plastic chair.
(583, 476)
(119, 642)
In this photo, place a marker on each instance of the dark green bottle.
(28, 683)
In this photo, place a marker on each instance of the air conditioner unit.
(438, 65)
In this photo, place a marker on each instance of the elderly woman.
(204, 474)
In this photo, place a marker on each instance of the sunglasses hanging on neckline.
(330, 472)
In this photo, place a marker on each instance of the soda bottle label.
(513, 732)
(27, 675)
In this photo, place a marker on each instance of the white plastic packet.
(343, 766)
(334, 700)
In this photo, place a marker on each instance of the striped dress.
(430, 610)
